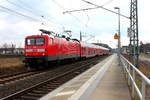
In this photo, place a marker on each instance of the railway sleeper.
(54, 85)
(58, 83)
(26, 97)
(47, 85)
(34, 94)
(44, 89)
(40, 92)
(48, 88)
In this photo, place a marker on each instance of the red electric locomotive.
(44, 48)
(41, 49)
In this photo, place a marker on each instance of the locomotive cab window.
(35, 41)
(30, 41)
(39, 41)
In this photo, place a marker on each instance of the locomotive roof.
(30, 36)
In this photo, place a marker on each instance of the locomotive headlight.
(40, 50)
(29, 50)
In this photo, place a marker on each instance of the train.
(46, 47)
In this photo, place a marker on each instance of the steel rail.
(17, 77)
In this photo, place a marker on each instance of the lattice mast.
(134, 48)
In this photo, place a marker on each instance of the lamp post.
(119, 42)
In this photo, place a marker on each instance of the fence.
(131, 71)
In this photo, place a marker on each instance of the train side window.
(51, 41)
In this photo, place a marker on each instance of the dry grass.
(10, 62)
(145, 55)
(11, 65)
(146, 71)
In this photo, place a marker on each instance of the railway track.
(36, 91)
(9, 75)
(8, 79)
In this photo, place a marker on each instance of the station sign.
(130, 33)
(116, 37)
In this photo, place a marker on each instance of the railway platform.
(104, 81)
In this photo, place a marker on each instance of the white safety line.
(65, 93)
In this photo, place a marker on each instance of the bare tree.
(13, 46)
(5, 46)
(8, 48)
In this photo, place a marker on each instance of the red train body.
(41, 49)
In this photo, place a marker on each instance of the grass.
(9, 65)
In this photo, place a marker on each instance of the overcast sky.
(96, 25)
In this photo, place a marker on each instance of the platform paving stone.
(113, 85)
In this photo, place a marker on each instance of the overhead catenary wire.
(84, 9)
(23, 15)
(46, 21)
(29, 7)
(60, 6)
(65, 9)
(108, 2)
(24, 8)
(96, 7)
(18, 13)
(105, 8)
(40, 19)
(17, 5)
(88, 18)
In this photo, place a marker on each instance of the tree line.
(10, 48)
